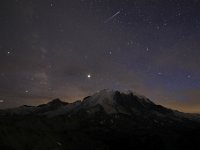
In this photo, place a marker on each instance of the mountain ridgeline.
(107, 120)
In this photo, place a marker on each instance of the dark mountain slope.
(107, 120)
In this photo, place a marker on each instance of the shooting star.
(113, 16)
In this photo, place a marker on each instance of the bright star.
(89, 76)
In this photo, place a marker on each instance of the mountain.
(107, 120)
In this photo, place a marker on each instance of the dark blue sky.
(48, 48)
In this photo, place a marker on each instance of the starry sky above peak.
(71, 49)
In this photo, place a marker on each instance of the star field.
(70, 49)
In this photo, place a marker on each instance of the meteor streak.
(113, 16)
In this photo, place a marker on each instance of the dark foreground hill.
(107, 120)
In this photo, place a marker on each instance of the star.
(26, 91)
(188, 76)
(89, 76)
(158, 27)
(8, 52)
(85, 57)
(165, 24)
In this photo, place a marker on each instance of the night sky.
(69, 49)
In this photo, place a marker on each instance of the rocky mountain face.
(106, 120)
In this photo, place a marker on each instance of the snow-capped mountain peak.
(117, 102)
(105, 98)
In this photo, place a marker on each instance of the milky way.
(73, 48)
